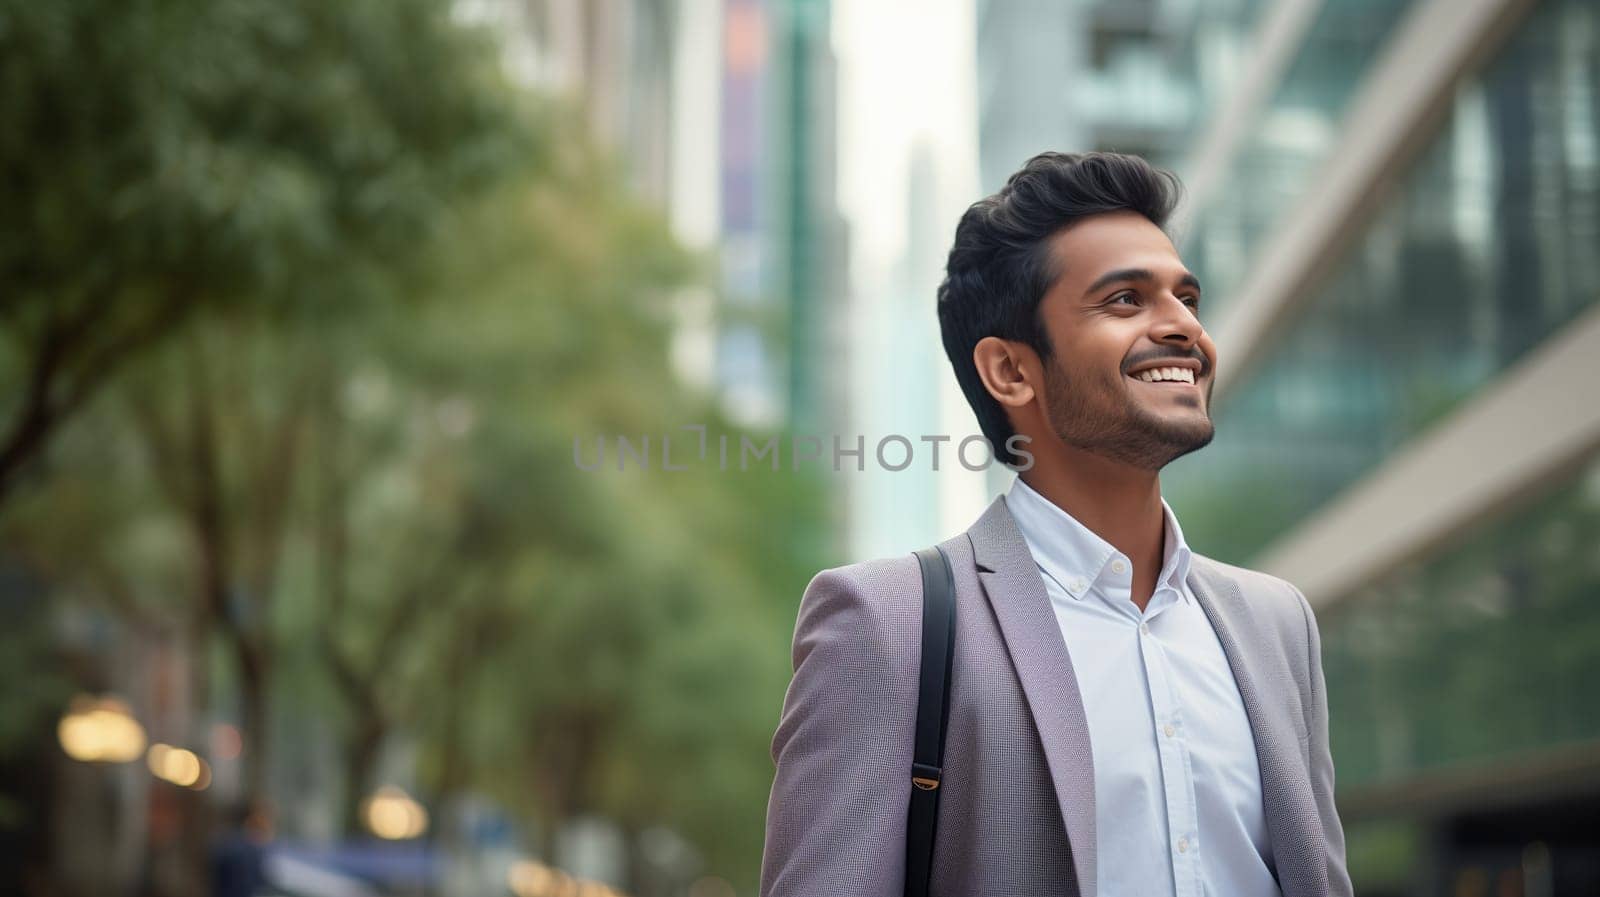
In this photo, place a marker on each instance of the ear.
(1003, 366)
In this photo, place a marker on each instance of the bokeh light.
(392, 814)
(179, 766)
(226, 742)
(100, 730)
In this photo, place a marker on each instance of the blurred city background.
(318, 577)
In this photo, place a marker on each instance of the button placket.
(1177, 777)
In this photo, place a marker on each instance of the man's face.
(1123, 300)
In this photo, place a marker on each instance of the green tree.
(235, 227)
(630, 659)
(391, 499)
(161, 158)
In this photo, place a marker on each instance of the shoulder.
(886, 586)
(875, 606)
(1267, 596)
(1254, 585)
(870, 579)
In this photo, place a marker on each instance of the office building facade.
(1394, 206)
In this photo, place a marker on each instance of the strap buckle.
(926, 777)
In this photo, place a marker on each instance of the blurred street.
(384, 385)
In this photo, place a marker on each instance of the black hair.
(1000, 266)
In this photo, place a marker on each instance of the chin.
(1176, 427)
(1194, 439)
(1181, 439)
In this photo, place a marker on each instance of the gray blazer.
(1016, 807)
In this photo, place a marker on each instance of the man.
(1127, 718)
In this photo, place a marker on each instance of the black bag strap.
(933, 715)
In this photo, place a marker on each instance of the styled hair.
(1001, 266)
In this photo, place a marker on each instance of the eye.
(1128, 295)
(1193, 302)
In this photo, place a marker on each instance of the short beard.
(1132, 437)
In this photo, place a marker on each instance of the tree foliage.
(158, 159)
(330, 305)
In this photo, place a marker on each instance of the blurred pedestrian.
(238, 856)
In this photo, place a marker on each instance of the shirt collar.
(1075, 556)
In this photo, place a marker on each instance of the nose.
(1175, 323)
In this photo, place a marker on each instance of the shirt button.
(1079, 584)
(1144, 628)
(1118, 567)
(1183, 845)
(1168, 729)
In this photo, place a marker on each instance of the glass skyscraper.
(1396, 215)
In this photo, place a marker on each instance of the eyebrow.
(1142, 274)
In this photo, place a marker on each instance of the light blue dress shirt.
(1177, 789)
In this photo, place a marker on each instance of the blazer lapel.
(1032, 635)
(1284, 786)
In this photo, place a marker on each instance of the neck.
(1118, 503)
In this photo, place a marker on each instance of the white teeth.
(1181, 375)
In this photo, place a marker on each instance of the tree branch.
(54, 391)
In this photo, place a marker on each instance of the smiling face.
(1123, 303)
